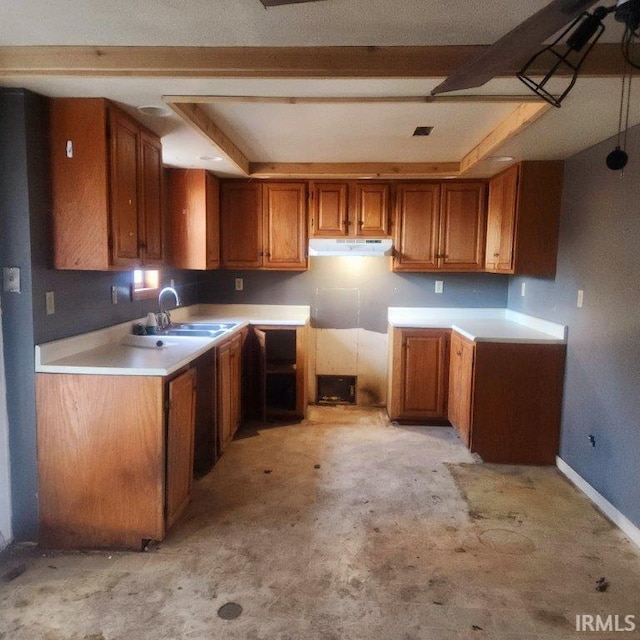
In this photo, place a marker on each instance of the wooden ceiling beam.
(263, 62)
(524, 115)
(354, 169)
(439, 99)
(197, 118)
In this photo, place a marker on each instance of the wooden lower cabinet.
(419, 374)
(505, 399)
(229, 370)
(461, 385)
(277, 372)
(180, 437)
(115, 457)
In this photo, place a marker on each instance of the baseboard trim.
(619, 519)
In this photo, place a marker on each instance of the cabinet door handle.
(496, 255)
(458, 353)
(268, 255)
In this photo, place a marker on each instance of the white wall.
(5, 488)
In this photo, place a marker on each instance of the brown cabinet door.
(417, 222)
(79, 157)
(212, 189)
(241, 225)
(329, 209)
(371, 209)
(503, 193)
(124, 190)
(424, 373)
(285, 230)
(225, 410)
(180, 436)
(462, 226)
(150, 200)
(461, 386)
(236, 381)
(194, 220)
(229, 370)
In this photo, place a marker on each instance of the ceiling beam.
(264, 62)
(197, 118)
(354, 169)
(439, 99)
(513, 124)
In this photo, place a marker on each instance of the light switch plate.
(439, 286)
(11, 279)
(239, 284)
(580, 300)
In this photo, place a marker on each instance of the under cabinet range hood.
(350, 246)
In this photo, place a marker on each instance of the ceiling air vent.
(423, 131)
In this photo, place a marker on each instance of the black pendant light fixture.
(564, 56)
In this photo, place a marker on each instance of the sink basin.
(194, 333)
(207, 326)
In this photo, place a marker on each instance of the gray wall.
(17, 312)
(379, 288)
(599, 253)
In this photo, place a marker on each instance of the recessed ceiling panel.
(363, 132)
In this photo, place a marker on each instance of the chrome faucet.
(164, 318)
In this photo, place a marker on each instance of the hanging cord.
(626, 119)
(622, 92)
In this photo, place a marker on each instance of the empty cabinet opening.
(336, 389)
(280, 370)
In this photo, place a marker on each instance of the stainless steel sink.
(194, 333)
(199, 329)
(206, 326)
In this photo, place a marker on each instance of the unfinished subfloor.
(344, 527)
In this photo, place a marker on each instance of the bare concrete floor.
(344, 527)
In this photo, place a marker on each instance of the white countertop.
(481, 325)
(102, 352)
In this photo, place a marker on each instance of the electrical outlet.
(239, 284)
(114, 294)
(580, 300)
(523, 288)
(50, 302)
(439, 286)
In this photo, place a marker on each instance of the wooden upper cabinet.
(463, 219)
(241, 225)
(523, 219)
(349, 209)
(125, 159)
(439, 227)
(328, 216)
(371, 208)
(285, 230)
(417, 225)
(194, 221)
(106, 174)
(263, 225)
(151, 199)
